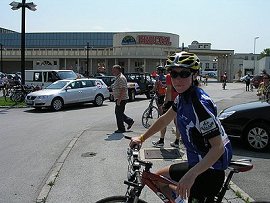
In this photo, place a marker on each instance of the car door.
(73, 92)
(88, 90)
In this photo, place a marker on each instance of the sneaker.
(173, 144)
(130, 125)
(157, 143)
(119, 131)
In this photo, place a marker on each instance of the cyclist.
(170, 96)
(160, 87)
(207, 145)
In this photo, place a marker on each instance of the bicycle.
(151, 113)
(19, 92)
(139, 175)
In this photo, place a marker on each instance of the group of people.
(207, 145)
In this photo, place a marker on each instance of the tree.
(265, 52)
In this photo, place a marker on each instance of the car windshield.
(66, 75)
(57, 85)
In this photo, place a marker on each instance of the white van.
(46, 77)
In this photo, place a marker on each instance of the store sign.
(128, 40)
(147, 39)
(157, 40)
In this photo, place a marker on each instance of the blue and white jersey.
(197, 122)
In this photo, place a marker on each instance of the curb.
(244, 196)
(53, 174)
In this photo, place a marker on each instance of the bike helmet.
(183, 60)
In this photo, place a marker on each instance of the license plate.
(30, 102)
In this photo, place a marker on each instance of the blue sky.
(226, 24)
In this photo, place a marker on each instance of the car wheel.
(131, 95)
(257, 136)
(98, 100)
(57, 104)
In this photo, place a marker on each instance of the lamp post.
(1, 45)
(255, 52)
(15, 6)
(87, 59)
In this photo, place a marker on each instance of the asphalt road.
(32, 141)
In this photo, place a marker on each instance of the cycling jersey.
(160, 85)
(197, 121)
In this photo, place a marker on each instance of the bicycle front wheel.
(117, 199)
(150, 115)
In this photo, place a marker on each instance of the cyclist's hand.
(185, 184)
(135, 142)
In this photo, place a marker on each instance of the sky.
(226, 24)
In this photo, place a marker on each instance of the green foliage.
(265, 52)
(7, 102)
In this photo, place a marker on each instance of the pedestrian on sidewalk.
(207, 145)
(120, 93)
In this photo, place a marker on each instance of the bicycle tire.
(18, 97)
(149, 116)
(117, 199)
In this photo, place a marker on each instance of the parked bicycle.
(151, 113)
(19, 92)
(139, 175)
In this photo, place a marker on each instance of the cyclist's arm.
(160, 123)
(168, 95)
(214, 153)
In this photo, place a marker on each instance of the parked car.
(46, 77)
(143, 82)
(63, 92)
(250, 122)
(256, 80)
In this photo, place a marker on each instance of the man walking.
(120, 93)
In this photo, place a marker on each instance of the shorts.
(167, 106)
(206, 186)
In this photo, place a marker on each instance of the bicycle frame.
(163, 187)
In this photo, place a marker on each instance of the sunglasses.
(181, 74)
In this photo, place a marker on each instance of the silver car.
(63, 92)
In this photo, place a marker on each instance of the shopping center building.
(83, 52)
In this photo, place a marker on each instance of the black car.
(250, 122)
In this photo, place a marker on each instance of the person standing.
(224, 80)
(120, 93)
(247, 80)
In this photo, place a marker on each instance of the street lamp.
(15, 6)
(255, 51)
(1, 45)
(87, 59)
